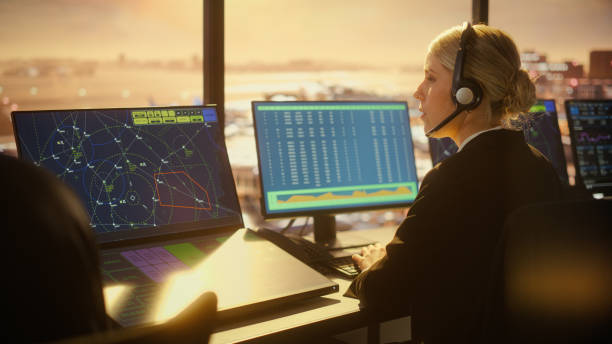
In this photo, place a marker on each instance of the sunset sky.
(384, 32)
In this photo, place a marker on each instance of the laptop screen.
(140, 172)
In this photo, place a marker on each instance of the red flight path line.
(180, 206)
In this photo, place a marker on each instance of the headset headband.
(468, 32)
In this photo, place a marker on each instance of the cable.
(304, 226)
(282, 231)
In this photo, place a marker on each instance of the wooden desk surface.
(330, 314)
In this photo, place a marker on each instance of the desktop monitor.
(541, 130)
(590, 124)
(319, 158)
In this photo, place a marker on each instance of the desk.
(321, 316)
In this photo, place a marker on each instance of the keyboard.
(345, 266)
(312, 254)
(322, 260)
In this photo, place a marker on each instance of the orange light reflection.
(221, 268)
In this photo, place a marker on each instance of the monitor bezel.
(579, 182)
(323, 212)
(146, 234)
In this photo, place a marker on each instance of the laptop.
(159, 190)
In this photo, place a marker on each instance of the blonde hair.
(493, 61)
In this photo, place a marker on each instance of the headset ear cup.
(469, 94)
(464, 96)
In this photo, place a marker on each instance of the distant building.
(573, 70)
(600, 64)
(589, 92)
(530, 57)
(537, 64)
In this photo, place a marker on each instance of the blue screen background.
(133, 176)
(314, 149)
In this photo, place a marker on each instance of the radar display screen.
(139, 172)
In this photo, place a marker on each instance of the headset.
(466, 93)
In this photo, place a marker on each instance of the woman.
(438, 266)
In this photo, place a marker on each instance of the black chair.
(553, 275)
(55, 290)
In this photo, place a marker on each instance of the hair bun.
(520, 93)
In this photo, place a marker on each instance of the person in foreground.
(55, 290)
(437, 268)
(57, 284)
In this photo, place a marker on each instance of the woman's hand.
(369, 256)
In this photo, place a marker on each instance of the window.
(88, 54)
(557, 38)
(325, 50)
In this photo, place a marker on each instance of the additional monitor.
(321, 158)
(541, 130)
(140, 172)
(590, 124)
(440, 149)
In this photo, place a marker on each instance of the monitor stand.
(325, 235)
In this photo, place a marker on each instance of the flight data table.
(316, 156)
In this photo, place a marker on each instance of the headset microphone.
(450, 117)
(465, 93)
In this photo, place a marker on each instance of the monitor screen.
(541, 130)
(140, 172)
(590, 124)
(331, 157)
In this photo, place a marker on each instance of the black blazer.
(438, 266)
